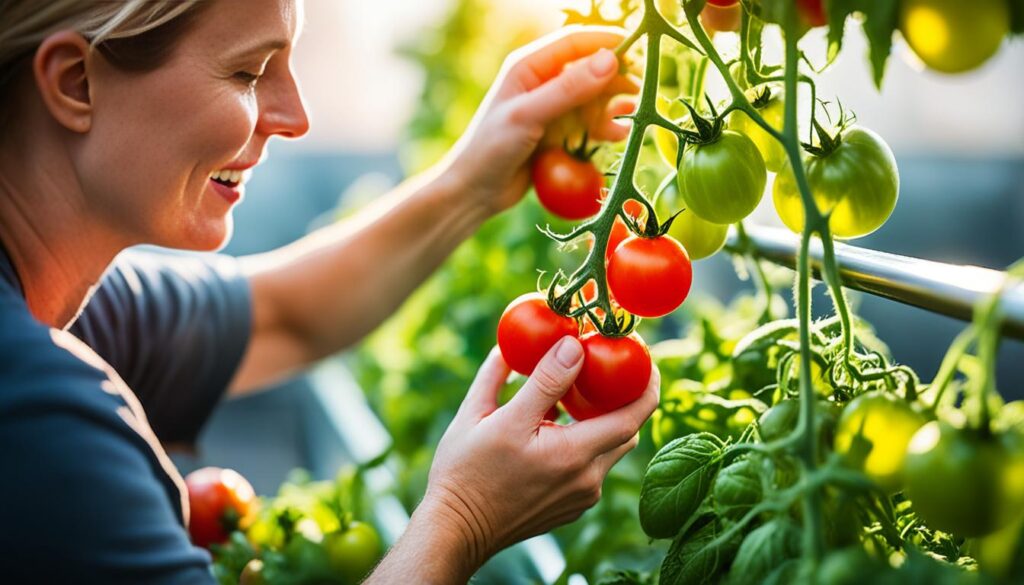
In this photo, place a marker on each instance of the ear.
(60, 69)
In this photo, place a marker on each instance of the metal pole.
(949, 289)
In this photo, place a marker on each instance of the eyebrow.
(264, 47)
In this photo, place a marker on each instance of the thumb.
(482, 397)
(576, 85)
(549, 381)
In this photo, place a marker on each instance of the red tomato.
(615, 370)
(577, 406)
(528, 329)
(722, 2)
(219, 499)
(650, 277)
(567, 186)
(812, 12)
(724, 18)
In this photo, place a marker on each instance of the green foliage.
(676, 482)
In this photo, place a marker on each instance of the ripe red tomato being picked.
(615, 370)
(577, 406)
(528, 329)
(567, 186)
(650, 277)
(219, 499)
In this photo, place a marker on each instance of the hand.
(501, 475)
(570, 71)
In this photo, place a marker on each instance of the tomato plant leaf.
(698, 560)
(677, 481)
(764, 549)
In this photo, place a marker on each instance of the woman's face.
(168, 151)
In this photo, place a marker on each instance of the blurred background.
(389, 85)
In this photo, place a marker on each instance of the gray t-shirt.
(87, 494)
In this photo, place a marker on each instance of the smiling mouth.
(229, 178)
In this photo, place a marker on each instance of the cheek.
(151, 148)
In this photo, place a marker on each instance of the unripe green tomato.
(354, 551)
(888, 423)
(953, 36)
(700, 238)
(771, 149)
(858, 183)
(964, 481)
(722, 181)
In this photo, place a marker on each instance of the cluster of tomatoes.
(222, 501)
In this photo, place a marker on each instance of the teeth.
(229, 176)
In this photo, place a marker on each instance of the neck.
(58, 248)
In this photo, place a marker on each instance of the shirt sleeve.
(175, 328)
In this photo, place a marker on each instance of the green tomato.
(953, 36)
(700, 238)
(354, 551)
(857, 183)
(964, 481)
(723, 181)
(887, 424)
(772, 151)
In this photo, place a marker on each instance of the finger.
(482, 397)
(549, 381)
(544, 59)
(606, 461)
(582, 82)
(609, 129)
(608, 431)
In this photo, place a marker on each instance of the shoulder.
(41, 367)
(82, 483)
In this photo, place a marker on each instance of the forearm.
(334, 286)
(437, 548)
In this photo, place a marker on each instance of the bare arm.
(329, 289)
(326, 291)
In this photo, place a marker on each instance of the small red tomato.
(721, 18)
(218, 499)
(650, 277)
(577, 406)
(615, 370)
(567, 186)
(528, 329)
(722, 2)
(812, 12)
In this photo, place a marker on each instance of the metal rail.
(949, 289)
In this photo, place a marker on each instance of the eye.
(248, 78)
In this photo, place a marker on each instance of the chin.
(209, 237)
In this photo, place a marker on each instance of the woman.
(139, 121)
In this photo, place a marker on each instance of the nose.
(281, 108)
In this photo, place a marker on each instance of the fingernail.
(603, 63)
(569, 352)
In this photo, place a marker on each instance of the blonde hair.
(133, 34)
